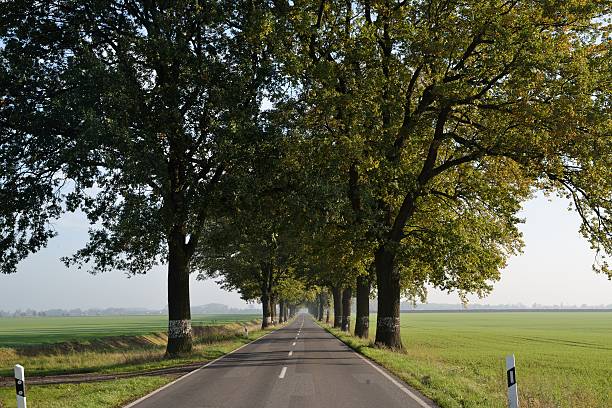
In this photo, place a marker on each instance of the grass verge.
(112, 393)
(457, 360)
(121, 354)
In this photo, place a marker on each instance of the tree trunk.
(179, 310)
(388, 286)
(321, 306)
(327, 316)
(362, 319)
(265, 307)
(273, 309)
(337, 294)
(283, 311)
(346, 309)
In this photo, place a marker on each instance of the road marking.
(283, 371)
(290, 353)
(138, 401)
(293, 343)
(394, 381)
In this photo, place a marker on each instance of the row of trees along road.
(302, 151)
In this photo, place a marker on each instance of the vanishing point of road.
(298, 366)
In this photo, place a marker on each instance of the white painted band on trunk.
(389, 323)
(178, 329)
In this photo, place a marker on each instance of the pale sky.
(555, 268)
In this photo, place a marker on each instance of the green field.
(106, 394)
(25, 331)
(49, 351)
(564, 359)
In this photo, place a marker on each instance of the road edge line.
(399, 385)
(163, 387)
(389, 376)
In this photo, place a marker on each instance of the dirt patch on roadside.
(92, 377)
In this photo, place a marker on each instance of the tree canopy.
(295, 147)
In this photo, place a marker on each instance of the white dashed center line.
(290, 353)
(293, 343)
(283, 371)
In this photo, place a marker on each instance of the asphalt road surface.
(298, 366)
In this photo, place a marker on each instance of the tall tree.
(133, 112)
(251, 246)
(453, 112)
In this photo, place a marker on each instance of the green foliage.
(253, 248)
(132, 112)
(411, 129)
(451, 114)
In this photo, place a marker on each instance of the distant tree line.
(304, 152)
(211, 308)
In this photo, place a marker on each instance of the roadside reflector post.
(511, 377)
(20, 386)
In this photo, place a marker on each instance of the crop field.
(563, 359)
(89, 346)
(40, 330)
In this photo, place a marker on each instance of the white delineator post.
(20, 386)
(511, 377)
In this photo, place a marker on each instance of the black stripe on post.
(19, 387)
(511, 377)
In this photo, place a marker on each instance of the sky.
(554, 269)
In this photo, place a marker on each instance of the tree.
(253, 246)
(346, 309)
(133, 112)
(452, 113)
(362, 315)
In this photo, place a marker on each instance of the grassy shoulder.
(458, 359)
(120, 354)
(113, 393)
(105, 394)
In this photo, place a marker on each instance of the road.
(300, 365)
